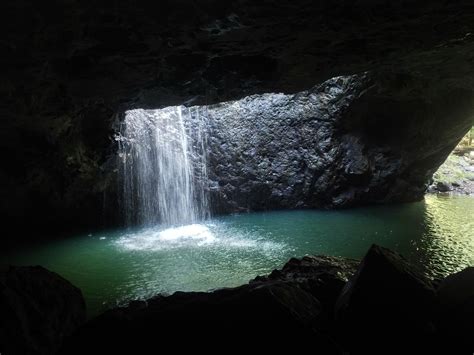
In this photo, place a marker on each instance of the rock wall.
(339, 144)
(279, 151)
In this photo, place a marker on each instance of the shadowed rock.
(38, 309)
(263, 316)
(386, 302)
(456, 297)
(322, 276)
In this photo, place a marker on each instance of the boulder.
(457, 288)
(386, 302)
(322, 276)
(38, 309)
(443, 186)
(456, 298)
(262, 315)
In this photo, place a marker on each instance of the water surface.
(112, 267)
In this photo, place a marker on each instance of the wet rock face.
(323, 147)
(279, 151)
(69, 68)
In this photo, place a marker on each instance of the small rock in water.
(443, 187)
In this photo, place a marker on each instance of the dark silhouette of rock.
(260, 316)
(443, 186)
(387, 302)
(456, 297)
(322, 276)
(457, 288)
(38, 308)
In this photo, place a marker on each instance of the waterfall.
(163, 166)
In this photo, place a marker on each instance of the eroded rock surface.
(338, 144)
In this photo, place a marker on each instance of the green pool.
(112, 267)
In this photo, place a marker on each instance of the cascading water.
(164, 166)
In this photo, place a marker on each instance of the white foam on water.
(195, 235)
(158, 239)
(193, 232)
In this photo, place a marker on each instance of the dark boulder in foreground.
(322, 276)
(386, 301)
(263, 316)
(456, 318)
(38, 308)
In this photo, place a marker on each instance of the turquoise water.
(112, 267)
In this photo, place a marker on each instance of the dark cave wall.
(70, 68)
(396, 142)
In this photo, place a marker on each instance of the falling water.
(163, 168)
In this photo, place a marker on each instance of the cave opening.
(202, 189)
(456, 174)
(270, 173)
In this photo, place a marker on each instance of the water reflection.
(447, 241)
